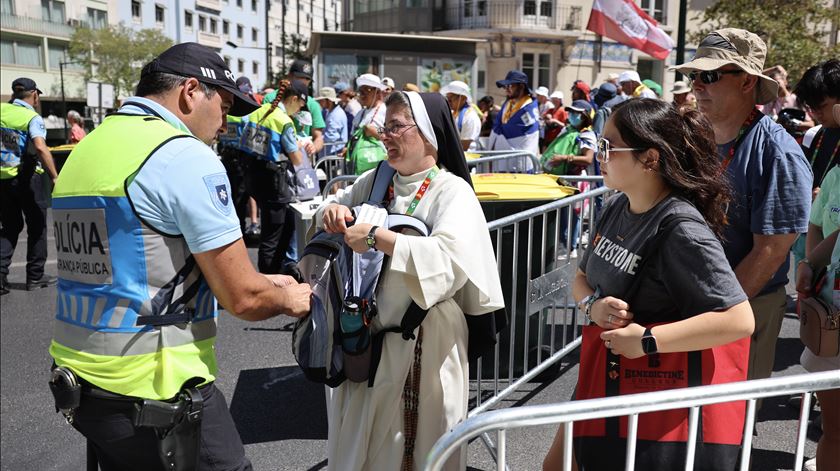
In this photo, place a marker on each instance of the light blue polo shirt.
(183, 188)
(37, 128)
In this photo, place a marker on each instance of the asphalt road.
(280, 416)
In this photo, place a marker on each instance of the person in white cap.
(556, 119)
(545, 107)
(465, 115)
(372, 116)
(389, 85)
(683, 96)
(366, 125)
(632, 86)
(767, 171)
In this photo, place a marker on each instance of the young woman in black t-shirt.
(663, 163)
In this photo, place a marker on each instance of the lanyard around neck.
(752, 118)
(420, 191)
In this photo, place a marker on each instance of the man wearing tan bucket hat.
(770, 178)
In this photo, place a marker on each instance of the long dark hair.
(688, 159)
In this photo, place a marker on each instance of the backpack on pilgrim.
(334, 341)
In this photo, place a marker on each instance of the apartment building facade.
(34, 38)
(236, 29)
(292, 22)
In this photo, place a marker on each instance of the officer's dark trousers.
(119, 446)
(277, 223)
(22, 199)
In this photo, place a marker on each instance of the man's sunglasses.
(711, 76)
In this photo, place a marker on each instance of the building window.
(255, 68)
(225, 27)
(135, 10)
(239, 3)
(52, 11)
(188, 19)
(202, 23)
(20, 53)
(538, 69)
(159, 14)
(240, 65)
(255, 34)
(253, 5)
(240, 31)
(214, 26)
(97, 19)
(655, 8)
(7, 7)
(227, 61)
(58, 54)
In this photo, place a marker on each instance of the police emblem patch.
(219, 188)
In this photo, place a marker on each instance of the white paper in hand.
(371, 215)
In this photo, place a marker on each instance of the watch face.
(649, 344)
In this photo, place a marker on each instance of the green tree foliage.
(796, 31)
(116, 54)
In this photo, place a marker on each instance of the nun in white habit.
(452, 273)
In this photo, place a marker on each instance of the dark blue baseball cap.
(605, 92)
(25, 84)
(514, 76)
(581, 106)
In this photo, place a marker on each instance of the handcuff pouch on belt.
(177, 426)
(66, 390)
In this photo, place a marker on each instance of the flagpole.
(680, 39)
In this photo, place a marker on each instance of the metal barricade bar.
(634, 404)
(509, 155)
(336, 180)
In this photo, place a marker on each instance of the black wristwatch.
(649, 343)
(370, 239)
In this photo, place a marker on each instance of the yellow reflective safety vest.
(134, 315)
(14, 134)
(262, 139)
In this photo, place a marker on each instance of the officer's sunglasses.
(711, 76)
(604, 149)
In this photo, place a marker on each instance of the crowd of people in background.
(777, 146)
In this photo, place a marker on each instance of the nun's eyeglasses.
(604, 149)
(394, 130)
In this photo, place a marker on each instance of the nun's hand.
(336, 217)
(355, 237)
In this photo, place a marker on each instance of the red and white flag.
(625, 22)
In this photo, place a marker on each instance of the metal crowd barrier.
(331, 165)
(537, 276)
(634, 404)
(484, 164)
(335, 181)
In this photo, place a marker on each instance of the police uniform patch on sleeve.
(219, 188)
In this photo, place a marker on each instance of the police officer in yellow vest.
(147, 240)
(23, 157)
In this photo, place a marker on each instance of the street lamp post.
(63, 98)
(267, 50)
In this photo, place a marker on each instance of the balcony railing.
(479, 14)
(209, 39)
(37, 26)
(209, 4)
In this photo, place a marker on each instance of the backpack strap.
(381, 181)
(411, 320)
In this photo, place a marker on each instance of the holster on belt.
(66, 390)
(177, 425)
